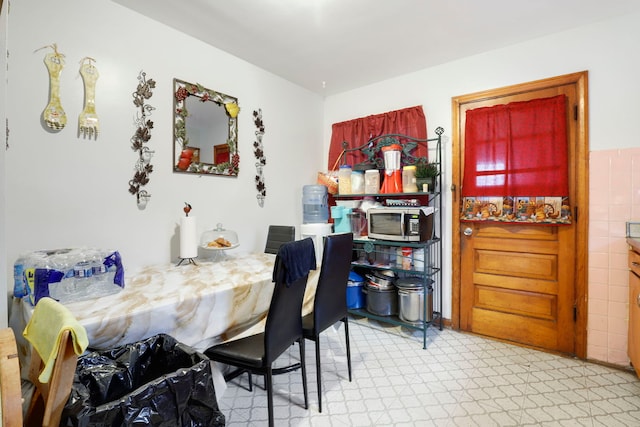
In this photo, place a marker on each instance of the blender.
(392, 172)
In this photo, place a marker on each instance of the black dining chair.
(277, 235)
(330, 303)
(257, 353)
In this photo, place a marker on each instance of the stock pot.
(411, 295)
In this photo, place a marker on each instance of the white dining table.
(200, 304)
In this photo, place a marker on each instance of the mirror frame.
(181, 91)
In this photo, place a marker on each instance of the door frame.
(581, 202)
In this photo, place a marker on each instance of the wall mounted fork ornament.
(88, 124)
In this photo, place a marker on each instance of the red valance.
(517, 149)
(408, 121)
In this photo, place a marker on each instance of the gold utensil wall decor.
(54, 116)
(88, 123)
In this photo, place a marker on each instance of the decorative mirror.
(205, 130)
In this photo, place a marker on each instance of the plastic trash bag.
(154, 382)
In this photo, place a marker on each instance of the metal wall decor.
(142, 136)
(205, 130)
(261, 159)
(88, 123)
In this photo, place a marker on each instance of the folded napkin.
(297, 258)
(44, 332)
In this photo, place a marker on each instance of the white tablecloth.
(199, 305)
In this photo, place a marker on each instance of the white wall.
(606, 49)
(64, 191)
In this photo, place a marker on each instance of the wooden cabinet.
(633, 349)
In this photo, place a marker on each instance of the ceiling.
(330, 46)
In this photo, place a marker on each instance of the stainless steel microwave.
(401, 224)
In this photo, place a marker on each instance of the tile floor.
(458, 380)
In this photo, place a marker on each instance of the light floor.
(458, 380)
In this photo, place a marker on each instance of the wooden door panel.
(516, 231)
(522, 303)
(527, 265)
(520, 282)
(533, 332)
(526, 279)
(516, 283)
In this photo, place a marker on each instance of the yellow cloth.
(44, 332)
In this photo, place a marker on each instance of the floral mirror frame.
(188, 157)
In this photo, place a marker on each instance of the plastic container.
(357, 182)
(315, 204)
(407, 258)
(19, 281)
(409, 179)
(355, 296)
(344, 179)
(372, 181)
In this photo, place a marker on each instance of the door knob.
(468, 231)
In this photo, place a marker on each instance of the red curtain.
(408, 121)
(517, 149)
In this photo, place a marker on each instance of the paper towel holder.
(190, 261)
(183, 223)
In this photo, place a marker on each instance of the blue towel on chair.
(297, 259)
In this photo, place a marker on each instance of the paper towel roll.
(188, 240)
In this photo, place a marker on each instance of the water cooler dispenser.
(315, 216)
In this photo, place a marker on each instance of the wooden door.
(525, 283)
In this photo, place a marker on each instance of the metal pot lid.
(385, 273)
(410, 291)
(413, 282)
(381, 288)
(383, 282)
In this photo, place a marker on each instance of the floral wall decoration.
(140, 138)
(261, 160)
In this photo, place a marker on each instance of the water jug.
(315, 204)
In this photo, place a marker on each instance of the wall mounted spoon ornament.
(54, 116)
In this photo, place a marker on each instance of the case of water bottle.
(67, 275)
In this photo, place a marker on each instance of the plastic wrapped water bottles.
(67, 275)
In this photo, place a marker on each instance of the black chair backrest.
(330, 304)
(284, 319)
(277, 235)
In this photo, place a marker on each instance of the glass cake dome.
(219, 239)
